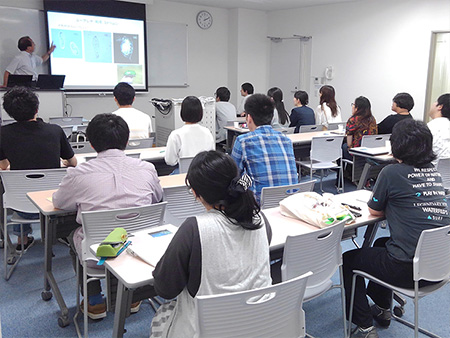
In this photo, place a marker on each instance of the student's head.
(124, 94)
(260, 108)
(442, 105)
(247, 89)
(191, 110)
(362, 107)
(412, 142)
(402, 101)
(327, 96)
(276, 94)
(213, 177)
(21, 103)
(25, 42)
(107, 131)
(302, 97)
(223, 94)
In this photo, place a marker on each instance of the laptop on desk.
(46, 81)
(371, 151)
(19, 80)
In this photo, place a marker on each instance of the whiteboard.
(167, 54)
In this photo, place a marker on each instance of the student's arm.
(71, 162)
(237, 155)
(172, 149)
(65, 197)
(5, 78)
(380, 195)
(376, 212)
(349, 140)
(4, 164)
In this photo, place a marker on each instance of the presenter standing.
(26, 62)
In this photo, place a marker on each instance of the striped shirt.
(267, 156)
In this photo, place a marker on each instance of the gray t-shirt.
(413, 200)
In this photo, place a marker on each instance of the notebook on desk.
(371, 151)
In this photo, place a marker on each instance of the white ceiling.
(265, 5)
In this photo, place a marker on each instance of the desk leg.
(364, 176)
(369, 235)
(49, 279)
(123, 302)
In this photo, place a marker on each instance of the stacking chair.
(96, 226)
(67, 130)
(285, 131)
(82, 147)
(181, 204)
(140, 143)
(443, 167)
(373, 141)
(16, 184)
(184, 164)
(325, 153)
(431, 262)
(319, 252)
(278, 313)
(66, 121)
(7, 121)
(307, 128)
(271, 196)
(335, 126)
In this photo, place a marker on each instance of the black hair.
(404, 100)
(329, 98)
(412, 142)
(107, 131)
(363, 110)
(248, 87)
(213, 176)
(223, 94)
(444, 101)
(260, 108)
(302, 96)
(24, 42)
(21, 103)
(124, 93)
(277, 96)
(191, 110)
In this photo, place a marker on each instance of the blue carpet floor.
(24, 314)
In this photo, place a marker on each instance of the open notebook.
(151, 245)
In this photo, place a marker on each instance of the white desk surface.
(146, 154)
(384, 157)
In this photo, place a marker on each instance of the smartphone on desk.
(160, 233)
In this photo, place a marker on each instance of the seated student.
(396, 196)
(246, 91)
(280, 115)
(232, 230)
(139, 123)
(225, 111)
(112, 180)
(328, 110)
(301, 115)
(266, 155)
(440, 127)
(359, 124)
(30, 143)
(402, 103)
(191, 138)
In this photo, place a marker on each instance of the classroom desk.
(133, 272)
(371, 161)
(50, 221)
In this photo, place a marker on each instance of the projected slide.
(97, 52)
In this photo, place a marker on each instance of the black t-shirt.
(34, 145)
(413, 200)
(385, 126)
(301, 116)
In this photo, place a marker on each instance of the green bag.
(112, 243)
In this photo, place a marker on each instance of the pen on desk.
(123, 248)
(351, 206)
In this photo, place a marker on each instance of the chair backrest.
(7, 121)
(18, 182)
(285, 131)
(140, 143)
(278, 313)
(98, 224)
(181, 204)
(326, 148)
(137, 155)
(67, 130)
(184, 164)
(317, 251)
(66, 121)
(443, 167)
(271, 196)
(82, 147)
(307, 128)
(373, 141)
(335, 125)
(432, 258)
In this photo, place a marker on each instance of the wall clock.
(204, 19)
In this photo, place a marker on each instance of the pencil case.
(112, 243)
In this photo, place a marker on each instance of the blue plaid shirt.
(267, 156)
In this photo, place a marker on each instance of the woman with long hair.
(328, 110)
(280, 115)
(359, 124)
(225, 249)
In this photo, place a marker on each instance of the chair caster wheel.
(63, 321)
(11, 260)
(47, 295)
(399, 311)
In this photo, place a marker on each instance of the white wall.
(377, 47)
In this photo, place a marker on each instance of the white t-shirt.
(139, 123)
(24, 64)
(440, 129)
(325, 117)
(188, 141)
(241, 106)
(225, 111)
